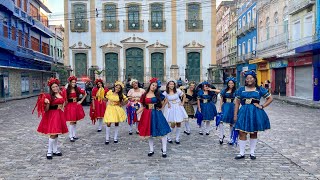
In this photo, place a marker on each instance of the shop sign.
(303, 61)
(263, 66)
(279, 64)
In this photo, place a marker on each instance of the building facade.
(246, 37)
(25, 62)
(56, 43)
(140, 39)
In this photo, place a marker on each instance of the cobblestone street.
(290, 150)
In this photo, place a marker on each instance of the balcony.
(301, 42)
(31, 54)
(232, 50)
(252, 24)
(241, 32)
(79, 26)
(250, 56)
(298, 5)
(7, 43)
(155, 26)
(110, 26)
(279, 40)
(8, 4)
(241, 59)
(194, 25)
(42, 57)
(133, 26)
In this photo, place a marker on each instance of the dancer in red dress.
(53, 122)
(74, 110)
(98, 106)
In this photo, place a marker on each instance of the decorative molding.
(134, 40)
(157, 47)
(79, 45)
(193, 45)
(110, 47)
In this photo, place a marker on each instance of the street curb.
(18, 98)
(313, 106)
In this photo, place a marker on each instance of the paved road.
(290, 150)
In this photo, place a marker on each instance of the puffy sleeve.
(109, 93)
(223, 93)
(199, 94)
(180, 93)
(143, 91)
(238, 93)
(130, 93)
(164, 94)
(106, 90)
(264, 92)
(94, 92)
(81, 91)
(125, 98)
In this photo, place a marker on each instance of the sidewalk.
(298, 102)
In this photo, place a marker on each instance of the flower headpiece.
(231, 79)
(71, 78)
(119, 83)
(98, 80)
(133, 81)
(192, 82)
(153, 80)
(52, 81)
(252, 73)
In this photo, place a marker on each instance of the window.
(268, 27)
(249, 45)
(25, 5)
(243, 21)
(13, 33)
(35, 44)
(110, 16)
(26, 40)
(157, 22)
(243, 48)
(45, 48)
(239, 24)
(34, 12)
(239, 50)
(80, 23)
(20, 38)
(296, 28)
(134, 17)
(44, 19)
(285, 20)
(254, 13)
(24, 83)
(19, 3)
(254, 42)
(194, 22)
(307, 30)
(249, 17)
(276, 20)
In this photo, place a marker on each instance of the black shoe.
(221, 140)
(164, 155)
(99, 130)
(150, 154)
(186, 132)
(72, 140)
(57, 153)
(207, 133)
(201, 133)
(170, 141)
(239, 156)
(177, 142)
(106, 143)
(253, 157)
(75, 138)
(49, 156)
(130, 133)
(115, 141)
(137, 132)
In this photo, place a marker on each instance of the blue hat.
(205, 83)
(252, 73)
(231, 79)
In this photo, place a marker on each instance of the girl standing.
(134, 104)
(152, 122)
(206, 107)
(53, 121)
(98, 106)
(227, 107)
(190, 101)
(74, 110)
(174, 111)
(114, 112)
(251, 117)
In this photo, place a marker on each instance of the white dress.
(176, 113)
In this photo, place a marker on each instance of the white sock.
(116, 130)
(100, 124)
(107, 133)
(203, 127)
(130, 128)
(231, 129)
(70, 131)
(55, 145)
(50, 145)
(253, 143)
(221, 130)
(151, 144)
(242, 146)
(178, 134)
(187, 124)
(137, 124)
(164, 144)
(208, 126)
(169, 134)
(74, 130)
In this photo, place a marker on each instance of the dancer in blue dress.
(251, 117)
(206, 107)
(227, 107)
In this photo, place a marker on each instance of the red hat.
(71, 78)
(98, 80)
(153, 80)
(52, 81)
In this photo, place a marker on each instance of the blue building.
(246, 38)
(25, 64)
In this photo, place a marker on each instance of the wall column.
(174, 69)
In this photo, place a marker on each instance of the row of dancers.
(154, 113)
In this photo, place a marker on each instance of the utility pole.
(55, 45)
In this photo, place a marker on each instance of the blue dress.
(250, 118)
(227, 106)
(208, 108)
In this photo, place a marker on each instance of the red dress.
(74, 111)
(100, 106)
(53, 121)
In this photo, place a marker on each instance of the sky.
(56, 7)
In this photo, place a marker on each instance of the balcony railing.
(298, 5)
(155, 26)
(110, 26)
(79, 25)
(130, 26)
(252, 24)
(194, 25)
(281, 39)
(301, 42)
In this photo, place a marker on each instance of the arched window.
(249, 45)
(285, 19)
(249, 17)
(254, 42)
(243, 21)
(243, 48)
(156, 15)
(268, 27)
(276, 20)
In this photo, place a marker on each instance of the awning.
(308, 47)
(256, 61)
